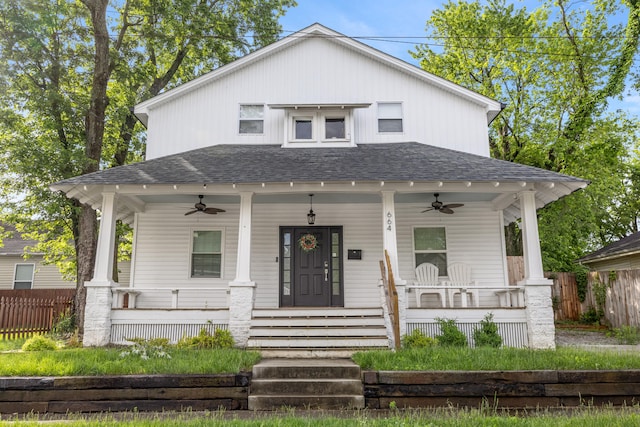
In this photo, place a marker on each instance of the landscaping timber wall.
(124, 393)
(500, 389)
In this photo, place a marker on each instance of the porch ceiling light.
(311, 217)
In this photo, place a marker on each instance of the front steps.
(306, 384)
(316, 332)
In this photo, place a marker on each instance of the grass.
(503, 359)
(438, 417)
(108, 361)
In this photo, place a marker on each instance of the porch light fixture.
(311, 217)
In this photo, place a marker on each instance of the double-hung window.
(430, 245)
(23, 276)
(251, 119)
(206, 253)
(389, 117)
(320, 126)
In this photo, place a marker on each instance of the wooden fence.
(27, 312)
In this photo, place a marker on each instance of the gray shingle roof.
(623, 246)
(408, 161)
(14, 244)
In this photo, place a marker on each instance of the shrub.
(39, 343)
(221, 338)
(451, 335)
(487, 335)
(627, 335)
(66, 324)
(591, 316)
(416, 339)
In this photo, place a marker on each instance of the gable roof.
(626, 246)
(491, 106)
(251, 164)
(14, 244)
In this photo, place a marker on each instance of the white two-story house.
(274, 185)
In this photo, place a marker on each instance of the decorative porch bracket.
(242, 289)
(97, 312)
(537, 289)
(390, 243)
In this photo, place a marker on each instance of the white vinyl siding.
(209, 114)
(23, 276)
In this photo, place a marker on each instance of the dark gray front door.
(311, 273)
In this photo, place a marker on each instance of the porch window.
(430, 245)
(389, 117)
(206, 253)
(251, 119)
(23, 276)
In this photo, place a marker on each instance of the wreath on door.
(308, 242)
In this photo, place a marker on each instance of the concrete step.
(306, 384)
(378, 331)
(271, 403)
(310, 322)
(324, 312)
(306, 369)
(318, 342)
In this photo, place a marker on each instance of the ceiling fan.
(437, 205)
(201, 207)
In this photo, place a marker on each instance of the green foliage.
(590, 317)
(221, 338)
(147, 349)
(487, 335)
(600, 290)
(582, 276)
(39, 343)
(66, 324)
(556, 68)
(450, 334)
(629, 335)
(416, 339)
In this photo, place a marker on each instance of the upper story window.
(23, 276)
(389, 117)
(310, 125)
(251, 119)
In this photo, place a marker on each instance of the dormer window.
(310, 125)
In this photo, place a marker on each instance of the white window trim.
(240, 119)
(390, 118)
(15, 271)
(190, 254)
(318, 118)
(413, 245)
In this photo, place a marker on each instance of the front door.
(311, 266)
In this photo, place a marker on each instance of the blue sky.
(389, 18)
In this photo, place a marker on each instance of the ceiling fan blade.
(191, 212)
(213, 211)
(427, 210)
(446, 210)
(453, 205)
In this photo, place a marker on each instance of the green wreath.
(308, 242)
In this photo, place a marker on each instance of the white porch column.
(97, 312)
(390, 244)
(539, 308)
(241, 289)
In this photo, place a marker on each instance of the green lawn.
(438, 417)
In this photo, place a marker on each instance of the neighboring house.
(18, 271)
(373, 139)
(21, 271)
(621, 255)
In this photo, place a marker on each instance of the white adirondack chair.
(426, 280)
(460, 282)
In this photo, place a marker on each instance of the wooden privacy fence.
(622, 290)
(566, 303)
(24, 316)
